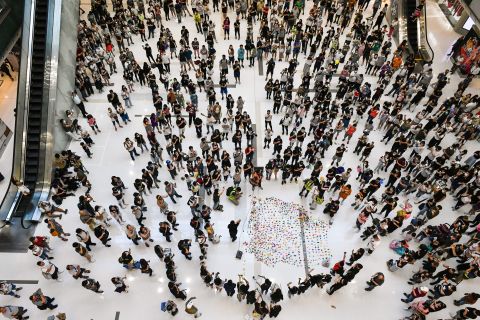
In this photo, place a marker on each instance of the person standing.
(270, 68)
(417, 292)
(102, 234)
(119, 283)
(78, 102)
(170, 190)
(165, 230)
(4, 67)
(130, 147)
(190, 308)
(170, 307)
(468, 298)
(375, 281)
(84, 236)
(131, 233)
(233, 229)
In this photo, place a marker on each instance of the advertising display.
(468, 54)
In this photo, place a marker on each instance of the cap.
(424, 289)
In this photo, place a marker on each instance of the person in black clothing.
(376, 281)
(229, 287)
(4, 68)
(466, 313)
(270, 68)
(233, 229)
(113, 99)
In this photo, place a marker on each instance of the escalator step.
(34, 116)
(32, 148)
(33, 128)
(36, 107)
(33, 155)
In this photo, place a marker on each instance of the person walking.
(42, 301)
(131, 233)
(9, 289)
(56, 229)
(82, 251)
(375, 281)
(77, 271)
(14, 312)
(92, 284)
(468, 298)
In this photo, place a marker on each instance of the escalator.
(412, 26)
(36, 107)
(416, 32)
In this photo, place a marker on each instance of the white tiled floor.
(143, 300)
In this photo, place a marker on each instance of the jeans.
(133, 152)
(128, 102)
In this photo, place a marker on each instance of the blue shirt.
(241, 53)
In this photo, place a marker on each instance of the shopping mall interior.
(239, 159)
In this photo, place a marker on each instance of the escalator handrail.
(431, 52)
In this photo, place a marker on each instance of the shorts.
(223, 90)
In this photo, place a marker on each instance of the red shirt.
(351, 130)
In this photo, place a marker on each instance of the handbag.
(239, 254)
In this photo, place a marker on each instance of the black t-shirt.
(339, 152)
(471, 313)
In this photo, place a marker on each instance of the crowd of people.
(428, 138)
